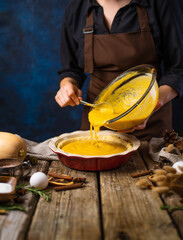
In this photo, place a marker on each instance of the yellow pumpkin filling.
(103, 145)
(93, 148)
(121, 99)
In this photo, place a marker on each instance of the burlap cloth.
(40, 150)
(157, 150)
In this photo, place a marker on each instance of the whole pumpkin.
(12, 146)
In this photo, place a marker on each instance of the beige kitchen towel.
(157, 150)
(40, 150)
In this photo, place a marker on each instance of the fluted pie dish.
(89, 162)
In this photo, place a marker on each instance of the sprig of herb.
(167, 207)
(36, 191)
(11, 206)
(40, 192)
(21, 186)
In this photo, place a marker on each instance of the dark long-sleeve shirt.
(166, 21)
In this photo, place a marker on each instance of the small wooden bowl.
(5, 197)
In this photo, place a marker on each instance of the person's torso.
(125, 21)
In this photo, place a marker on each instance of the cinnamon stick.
(135, 175)
(69, 187)
(57, 175)
(79, 179)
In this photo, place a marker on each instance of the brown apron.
(108, 55)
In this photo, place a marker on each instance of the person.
(106, 37)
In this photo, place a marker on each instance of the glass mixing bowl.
(133, 95)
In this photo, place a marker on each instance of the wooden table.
(109, 207)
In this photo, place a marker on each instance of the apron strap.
(88, 31)
(88, 43)
(143, 18)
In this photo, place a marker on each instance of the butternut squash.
(12, 146)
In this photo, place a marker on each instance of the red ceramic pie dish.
(94, 163)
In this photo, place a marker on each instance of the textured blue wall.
(29, 60)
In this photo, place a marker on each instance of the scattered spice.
(73, 186)
(57, 175)
(156, 178)
(160, 172)
(170, 169)
(161, 190)
(143, 184)
(172, 140)
(170, 137)
(162, 183)
(55, 181)
(21, 191)
(177, 184)
(163, 177)
(179, 145)
(65, 182)
(135, 175)
(163, 162)
(164, 180)
(18, 199)
(79, 179)
(171, 176)
(31, 159)
(169, 148)
(42, 193)
(167, 207)
(3, 212)
(11, 206)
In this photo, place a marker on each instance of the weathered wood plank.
(172, 199)
(131, 213)
(72, 214)
(15, 225)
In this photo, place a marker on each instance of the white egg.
(39, 180)
(177, 165)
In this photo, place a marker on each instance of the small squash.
(12, 146)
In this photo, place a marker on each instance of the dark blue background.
(29, 61)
